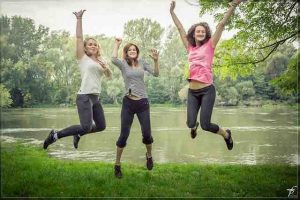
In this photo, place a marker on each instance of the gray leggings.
(141, 109)
(89, 109)
(204, 98)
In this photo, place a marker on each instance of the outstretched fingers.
(172, 6)
(79, 13)
(118, 40)
(154, 54)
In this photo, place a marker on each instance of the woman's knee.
(101, 128)
(205, 126)
(191, 124)
(148, 140)
(121, 143)
(87, 128)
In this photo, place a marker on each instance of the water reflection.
(260, 135)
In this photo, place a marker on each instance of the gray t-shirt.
(134, 77)
(91, 76)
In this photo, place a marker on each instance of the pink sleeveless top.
(200, 62)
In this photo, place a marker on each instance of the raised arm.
(220, 27)
(178, 24)
(155, 55)
(79, 35)
(118, 42)
(115, 59)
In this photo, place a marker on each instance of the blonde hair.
(85, 43)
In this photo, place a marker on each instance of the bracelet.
(79, 17)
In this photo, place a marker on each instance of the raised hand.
(118, 41)
(235, 3)
(172, 6)
(154, 54)
(79, 14)
(102, 63)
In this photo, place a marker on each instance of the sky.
(104, 16)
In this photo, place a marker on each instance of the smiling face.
(132, 52)
(91, 47)
(200, 34)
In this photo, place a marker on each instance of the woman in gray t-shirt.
(92, 68)
(135, 100)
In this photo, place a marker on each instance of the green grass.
(28, 171)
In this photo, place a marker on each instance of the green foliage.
(43, 69)
(228, 55)
(5, 97)
(245, 89)
(21, 37)
(262, 26)
(145, 33)
(231, 96)
(276, 65)
(288, 82)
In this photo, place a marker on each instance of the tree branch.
(261, 60)
(280, 41)
(288, 15)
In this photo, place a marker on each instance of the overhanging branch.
(280, 41)
(261, 60)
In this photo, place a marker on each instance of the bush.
(5, 97)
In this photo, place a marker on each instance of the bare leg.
(118, 157)
(223, 133)
(149, 150)
(149, 160)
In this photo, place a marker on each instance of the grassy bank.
(28, 171)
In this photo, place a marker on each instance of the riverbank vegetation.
(38, 66)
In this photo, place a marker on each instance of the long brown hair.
(85, 43)
(191, 32)
(130, 61)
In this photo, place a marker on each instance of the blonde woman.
(92, 68)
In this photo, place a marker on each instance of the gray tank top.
(91, 76)
(134, 77)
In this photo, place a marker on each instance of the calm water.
(261, 135)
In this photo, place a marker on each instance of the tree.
(173, 65)
(21, 39)
(20, 36)
(231, 96)
(145, 33)
(288, 82)
(276, 65)
(5, 97)
(245, 89)
(262, 26)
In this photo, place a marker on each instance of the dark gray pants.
(141, 109)
(89, 110)
(204, 98)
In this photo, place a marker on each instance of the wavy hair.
(191, 32)
(130, 61)
(85, 43)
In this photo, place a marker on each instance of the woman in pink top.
(200, 45)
